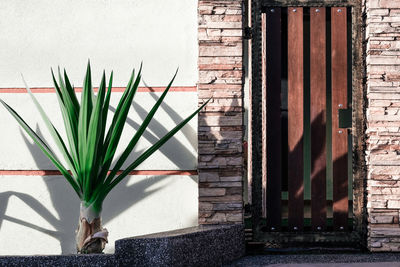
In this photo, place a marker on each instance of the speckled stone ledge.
(195, 246)
(99, 260)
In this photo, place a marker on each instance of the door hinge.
(248, 33)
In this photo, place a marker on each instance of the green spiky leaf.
(91, 147)
(44, 147)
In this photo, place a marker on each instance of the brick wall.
(221, 123)
(383, 124)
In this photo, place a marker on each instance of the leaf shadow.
(124, 196)
(170, 148)
(66, 204)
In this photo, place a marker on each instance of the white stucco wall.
(115, 35)
(39, 215)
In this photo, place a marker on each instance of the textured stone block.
(217, 217)
(208, 177)
(219, 24)
(220, 124)
(372, 4)
(196, 246)
(222, 184)
(222, 199)
(389, 4)
(378, 12)
(59, 260)
(227, 207)
(393, 204)
(234, 217)
(382, 219)
(205, 192)
(220, 120)
(226, 51)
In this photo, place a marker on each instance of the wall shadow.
(158, 131)
(317, 172)
(125, 195)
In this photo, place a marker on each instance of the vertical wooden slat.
(273, 97)
(318, 117)
(295, 118)
(264, 112)
(339, 101)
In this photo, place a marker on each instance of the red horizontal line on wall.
(114, 89)
(137, 172)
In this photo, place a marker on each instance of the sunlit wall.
(39, 211)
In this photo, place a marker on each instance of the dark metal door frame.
(358, 122)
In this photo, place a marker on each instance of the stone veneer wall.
(220, 130)
(383, 124)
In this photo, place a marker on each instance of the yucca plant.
(91, 149)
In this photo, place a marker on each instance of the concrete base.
(61, 260)
(194, 246)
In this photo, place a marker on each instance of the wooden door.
(306, 59)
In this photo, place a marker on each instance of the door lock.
(345, 118)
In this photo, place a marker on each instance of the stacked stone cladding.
(383, 123)
(220, 132)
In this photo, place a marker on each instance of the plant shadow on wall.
(65, 206)
(93, 232)
(157, 130)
